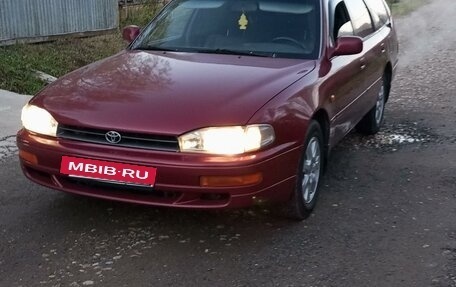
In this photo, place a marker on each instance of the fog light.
(28, 157)
(231, 181)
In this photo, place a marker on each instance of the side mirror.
(348, 45)
(130, 33)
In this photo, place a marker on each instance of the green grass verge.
(56, 58)
(404, 7)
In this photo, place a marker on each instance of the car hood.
(168, 93)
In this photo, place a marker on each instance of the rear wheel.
(373, 120)
(309, 173)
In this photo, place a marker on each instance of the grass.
(18, 62)
(56, 58)
(404, 7)
(140, 15)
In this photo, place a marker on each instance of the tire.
(370, 124)
(309, 174)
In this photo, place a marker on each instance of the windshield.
(266, 28)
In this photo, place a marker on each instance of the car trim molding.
(350, 104)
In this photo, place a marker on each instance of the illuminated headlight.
(38, 120)
(227, 140)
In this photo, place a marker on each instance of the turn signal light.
(231, 181)
(28, 157)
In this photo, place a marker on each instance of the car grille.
(132, 140)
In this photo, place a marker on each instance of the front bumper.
(178, 174)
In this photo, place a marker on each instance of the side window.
(360, 17)
(342, 24)
(375, 19)
(379, 12)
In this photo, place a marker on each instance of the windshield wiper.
(209, 51)
(236, 52)
(156, 48)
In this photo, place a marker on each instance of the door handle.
(382, 46)
(363, 64)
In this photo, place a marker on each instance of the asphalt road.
(386, 215)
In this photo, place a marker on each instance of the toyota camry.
(216, 104)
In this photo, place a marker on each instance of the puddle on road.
(391, 137)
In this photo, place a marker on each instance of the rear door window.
(360, 17)
(378, 11)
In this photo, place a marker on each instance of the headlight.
(38, 120)
(227, 140)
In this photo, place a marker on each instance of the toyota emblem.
(113, 137)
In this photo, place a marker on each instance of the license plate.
(108, 171)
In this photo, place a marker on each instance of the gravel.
(7, 147)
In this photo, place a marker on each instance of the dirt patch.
(392, 137)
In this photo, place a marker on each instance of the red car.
(216, 104)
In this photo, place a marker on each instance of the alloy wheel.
(311, 170)
(380, 105)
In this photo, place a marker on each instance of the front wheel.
(309, 174)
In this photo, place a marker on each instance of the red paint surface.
(169, 93)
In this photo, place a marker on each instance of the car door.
(373, 60)
(384, 38)
(349, 76)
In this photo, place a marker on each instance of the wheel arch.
(389, 76)
(321, 116)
